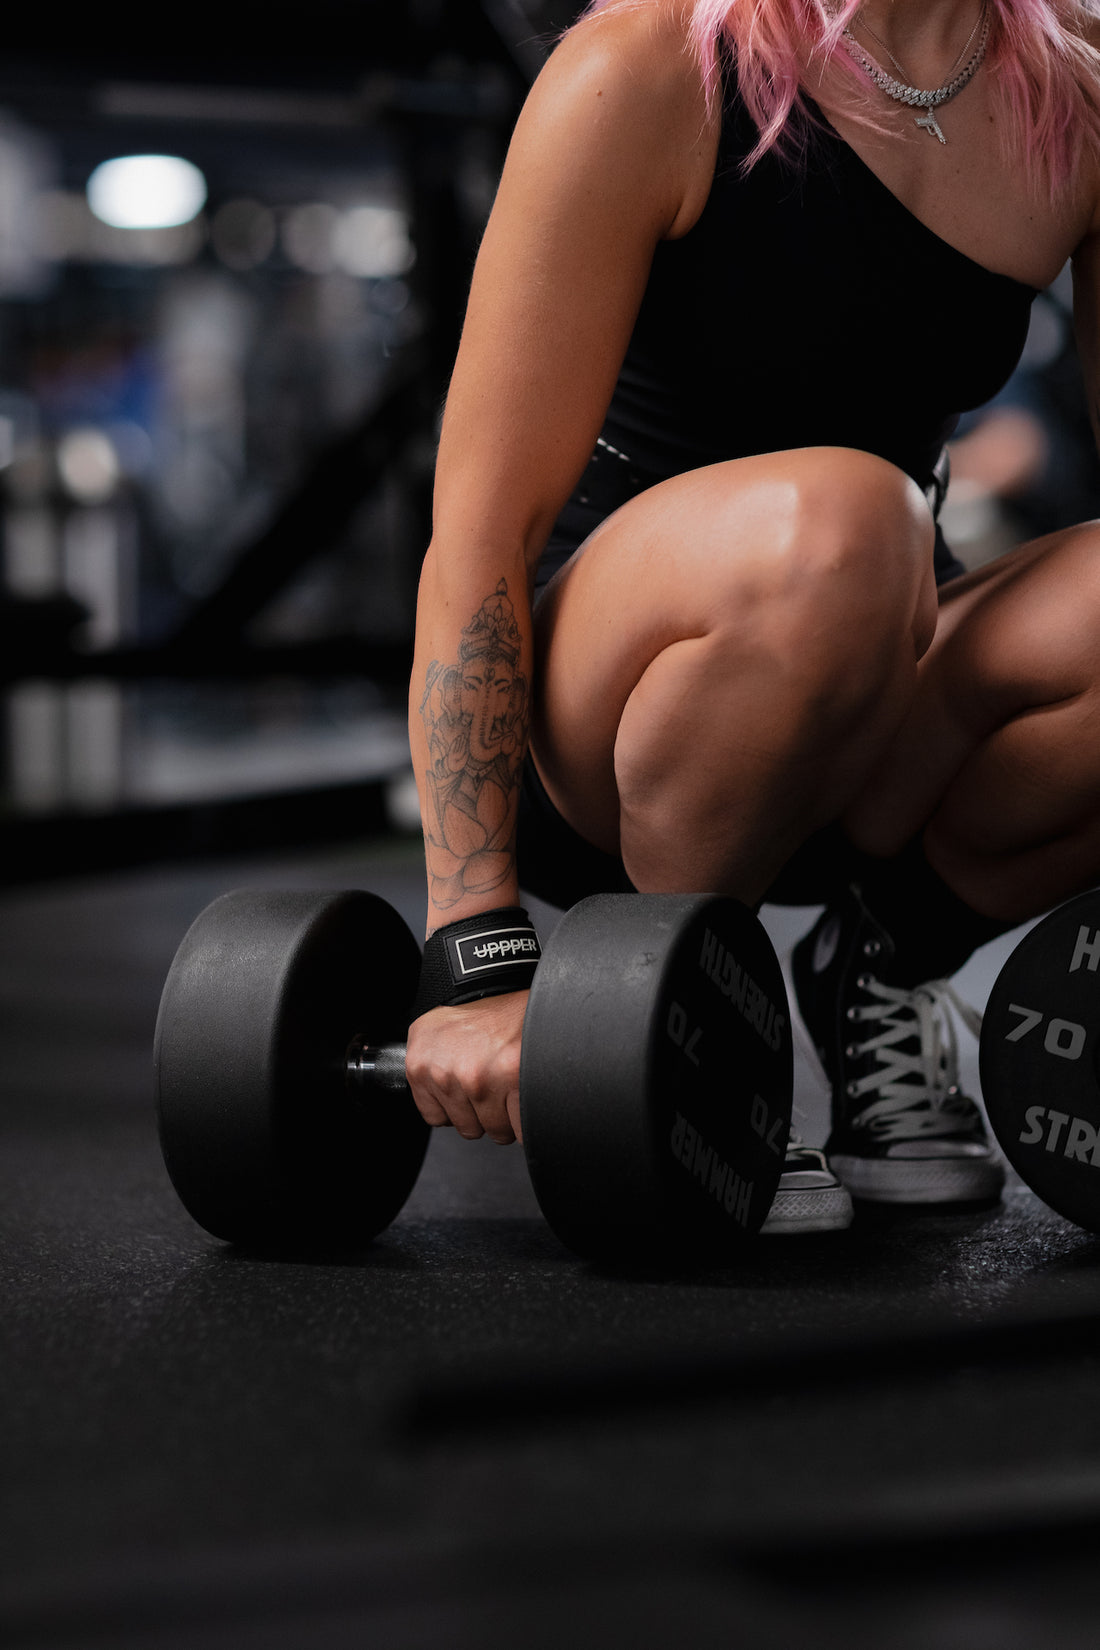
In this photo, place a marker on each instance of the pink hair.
(1046, 74)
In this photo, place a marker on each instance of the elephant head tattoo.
(476, 716)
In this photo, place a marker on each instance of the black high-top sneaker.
(809, 1197)
(902, 1130)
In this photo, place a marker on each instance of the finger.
(440, 1098)
(462, 1114)
(490, 1107)
(501, 1133)
(430, 1109)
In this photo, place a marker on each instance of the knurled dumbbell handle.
(381, 1067)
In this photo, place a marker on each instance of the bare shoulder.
(644, 42)
(628, 80)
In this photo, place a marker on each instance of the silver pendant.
(931, 124)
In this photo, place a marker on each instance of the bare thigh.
(720, 633)
(998, 760)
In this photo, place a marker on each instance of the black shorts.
(555, 862)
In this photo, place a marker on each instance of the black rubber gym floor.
(468, 1437)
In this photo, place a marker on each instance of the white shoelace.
(917, 1090)
(797, 1147)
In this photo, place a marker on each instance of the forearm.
(469, 713)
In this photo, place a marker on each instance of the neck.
(929, 32)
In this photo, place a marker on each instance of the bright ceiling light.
(88, 464)
(146, 191)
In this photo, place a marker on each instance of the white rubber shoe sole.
(802, 1208)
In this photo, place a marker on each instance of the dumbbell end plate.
(261, 1138)
(656, 1078)
(1040, 1060)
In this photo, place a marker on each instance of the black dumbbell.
(1040, 1059)
(655, 1079)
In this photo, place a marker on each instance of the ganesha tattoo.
(475, 715)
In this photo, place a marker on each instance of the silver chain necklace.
(930, 101)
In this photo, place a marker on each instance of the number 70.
(1065, 1038)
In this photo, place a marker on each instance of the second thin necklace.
(929, 101)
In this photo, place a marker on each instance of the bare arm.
(608, 155)
(612, 153)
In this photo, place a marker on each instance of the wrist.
(482, 956)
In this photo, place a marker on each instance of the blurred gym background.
(220, 378)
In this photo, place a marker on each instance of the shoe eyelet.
(871, 948)
(851, 1052)
(863, 982)
(851, 1090)
(853, 1014)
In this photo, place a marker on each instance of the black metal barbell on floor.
(655, 1077)
(655, 1081)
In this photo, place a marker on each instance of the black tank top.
(809, 307)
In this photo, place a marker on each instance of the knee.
(846, 574)
(859, 538)
(1030, 634)
(1072, 576)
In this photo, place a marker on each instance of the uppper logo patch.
(496, 948)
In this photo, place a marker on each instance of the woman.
(741, 275)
